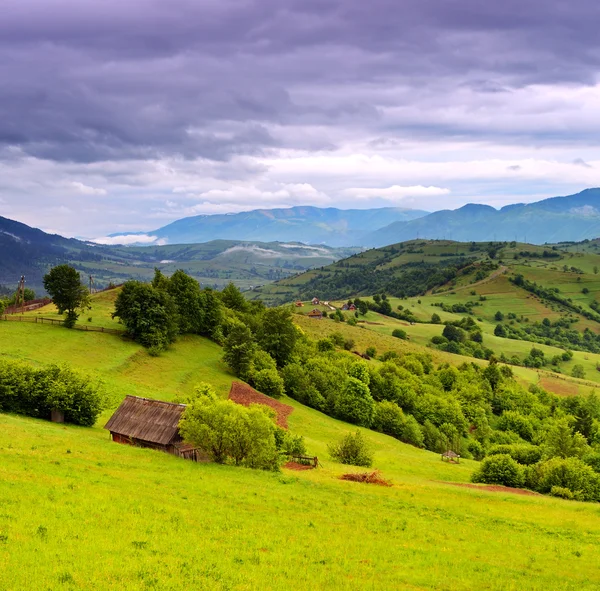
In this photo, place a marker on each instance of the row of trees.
(36, 392)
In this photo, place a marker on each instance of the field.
(81, 512)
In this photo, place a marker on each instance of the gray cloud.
(135, 99)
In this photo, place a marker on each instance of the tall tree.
(277, 334)
(69, 295)
(238, 350)
(149, 314)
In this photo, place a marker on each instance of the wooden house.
(144, 422)
(299, 304)
(315, 301)
(315, 314)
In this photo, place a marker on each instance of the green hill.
(79, 511)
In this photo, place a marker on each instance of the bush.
(349, 344)
(522, 453)
(230, 432)
(500, 469)
(578, 371)
(399, 333)
(36, 392)
(269, 382)
(353, 450)
(355, 403)
(593, 460)
(517, 423)
(570, 473)
(371, 352)
(388, 418)
(563, 493)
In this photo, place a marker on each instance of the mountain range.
(557, 219)
(311, 225)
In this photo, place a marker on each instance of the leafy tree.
(360, 371)
(454, 333)
(232, 297)
(371, 351)
(269, 382)
(399, 333)
(499, 469)
(563, 443)
(69, 295)
(500, 331)
(229, 431)
(578, 371)
(277, 335)
(567, 473)
(185, 291)
(148, 314)
(435, 318)
(353, 449)
(238, 350)
(498, 316)
(355, 403)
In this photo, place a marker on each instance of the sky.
(120, 116)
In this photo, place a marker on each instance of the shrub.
(230, 432)
(593, 460)
(349, 344)
(36, 392)
(570, 473)
(399, 333)
(388, 418)
(563, 493)
(516, 422)
(522, 453)
(439, 340)
(355, 403)
(353, 449)
(435, 318)
(476, 449)
(371, 352)
(499, 469)
(269, 382)
(578, 371)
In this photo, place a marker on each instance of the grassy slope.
(81, 512)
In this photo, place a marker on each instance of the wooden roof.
(315, 313)
(450, 454)
(149, 420)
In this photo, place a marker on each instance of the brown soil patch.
(495, 488)
(246, 395)
(366, 477)
(299, 467)
(559, 386)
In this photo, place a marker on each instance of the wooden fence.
(58, 322)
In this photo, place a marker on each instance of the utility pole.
(21, 294)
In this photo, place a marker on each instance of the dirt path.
(494, 488)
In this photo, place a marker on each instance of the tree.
(355, 403)
(500, 331)
(185, 291)
(399, 333)
(454, 333)
(435, 318)
(148, 314)
(578, 371)
(229, 431)
(561, 442)
(238, 350)
(595, 269)
(232, 298)
(277, 334)
(498, 316)
(63, 283)
(269, 382)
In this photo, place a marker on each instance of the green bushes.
(499, 469)
(355, 403)
(353, 449)
(229, 432)
(36, 392)
(399, 333)
(570, 473)
(388, 418)
(524, 454)
(269, 382)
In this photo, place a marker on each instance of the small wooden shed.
(315, 314)
(144, 422)
(451, 456)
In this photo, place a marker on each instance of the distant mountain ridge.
(557, 219)
(307, 224)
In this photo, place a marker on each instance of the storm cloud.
(122, 116)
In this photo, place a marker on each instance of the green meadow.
(78, 511)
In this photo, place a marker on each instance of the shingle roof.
(149, 420)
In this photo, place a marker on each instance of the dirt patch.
(495, 488)
(367, 478)
(299, 467)
(559, 386)
(246, 395)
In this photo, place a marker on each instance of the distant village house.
(315, 314)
